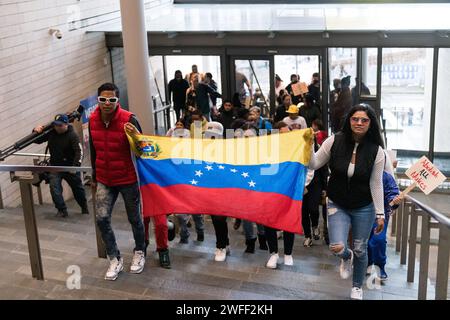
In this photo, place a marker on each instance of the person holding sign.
(355, 189)
(377, 242)
(296, 89)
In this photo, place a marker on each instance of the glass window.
(369, 71)
(302, 65)
(406, 101)
(342, 63)
(157, 87)
(442, 128)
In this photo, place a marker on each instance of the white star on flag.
(245, 174)
(233, 170)
(208, 167)
(221, 167)
(252, 183)
(198, 173)
(194, 182)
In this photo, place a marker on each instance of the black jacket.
(178, 89)
(226, 119)
(65, 149)
(280, 113)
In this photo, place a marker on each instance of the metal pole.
(39, 190)
(424, 256)
(405, 223)
(398, 232)
(31, 229)
(101, 249)
(1, 199)
(394, 223)
(442, 263)
(135, 46)
(412, 244)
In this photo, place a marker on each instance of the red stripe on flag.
(270, 209)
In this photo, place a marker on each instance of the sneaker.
(62, 213)
(316, 233)
(200, 237)
(307, 242)
(164, 259)
(184, 241)
(115, 267)
(273, 261)
(345, 269)
(221, 255)
(383, 275)
(138, 262)
(357, 294)
(288, 260)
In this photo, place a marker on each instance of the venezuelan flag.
(260, 179)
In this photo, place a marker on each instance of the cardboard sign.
(425, 175)
(299, 88)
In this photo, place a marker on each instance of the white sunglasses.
(105, 99)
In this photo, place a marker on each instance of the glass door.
(251, 83)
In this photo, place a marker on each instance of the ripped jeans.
(361, 221)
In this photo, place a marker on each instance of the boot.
(164, 259)
(250, 245)
(62, 213)
(262, 242)
(85, 209)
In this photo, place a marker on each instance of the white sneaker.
(221, 255)
(115, 267)
(357, 294)
(288, 260)
(273, 260)
(345, 269)
(138, 262)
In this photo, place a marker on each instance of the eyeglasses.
(105, 99)
(363, 120)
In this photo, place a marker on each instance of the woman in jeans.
(355, 189)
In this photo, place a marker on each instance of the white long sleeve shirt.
(322, 157)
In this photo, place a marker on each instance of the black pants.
(310, 207)
(221, 229)
(178, 108)
(288, 238)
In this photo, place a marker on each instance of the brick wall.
(41, 75)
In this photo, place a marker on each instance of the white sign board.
(426, 176)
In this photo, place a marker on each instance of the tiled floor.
(194, 274)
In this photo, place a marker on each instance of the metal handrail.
(28, 168)
(432, 212)
(164, 107)
(406, 222)
(25, 154)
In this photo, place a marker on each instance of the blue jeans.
(249, 230)
(75, 183)
(360, 220)
(105, 199)
(184, 218)
(376, 247)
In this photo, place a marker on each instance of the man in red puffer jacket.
(114, 173)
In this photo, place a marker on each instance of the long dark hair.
(374, 132)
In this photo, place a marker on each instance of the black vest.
(355, 192)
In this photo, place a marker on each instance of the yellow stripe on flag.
(294, 146)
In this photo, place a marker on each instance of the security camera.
(56, 32)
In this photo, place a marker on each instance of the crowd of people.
(349, 176)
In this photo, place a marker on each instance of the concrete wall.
(40, 75)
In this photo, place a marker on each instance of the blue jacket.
(390, 190)
(264, 124)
